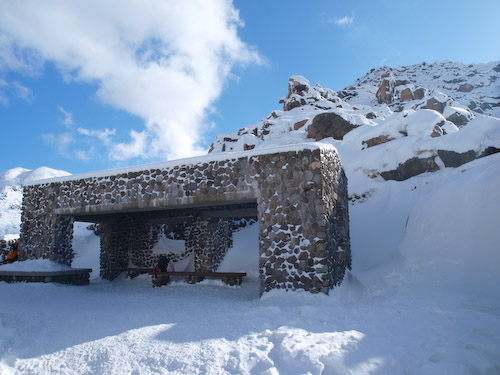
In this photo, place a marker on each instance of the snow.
(38, 265)
(244, 255)
(300, 79)
(422, 298)
(186, 161)
(166, 244)
(11, 195)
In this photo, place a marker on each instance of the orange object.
(12, 256)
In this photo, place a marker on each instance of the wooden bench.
(163, 278)
(76, 276)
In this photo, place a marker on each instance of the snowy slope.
(477, 86)
(422, 298)
(11, 195)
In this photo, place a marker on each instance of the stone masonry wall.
(301, 197)
(336, 213)
(209, 240)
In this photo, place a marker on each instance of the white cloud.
(22, 92)
(103, 135)
(61, 141)
(344, 21)
(65, 145)
(82, 155)
(68, 117)
(136, 148)
(16, 90)
(164, 61)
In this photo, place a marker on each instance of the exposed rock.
(299, 124)
(458, 119)
(377, 140)
(454, 80)
(248, 147)
(490, 150)
(291, 104)
(435, 104)
(419, 93)
(383, 92)
(466, 87)
(298, 86)
(455, 159)
(407, 95)
(437, 132)
(484, 106)
(371, 115)
(410, 168)
(344, 94)
(327, 125)
(400, 82)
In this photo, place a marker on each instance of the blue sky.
(86, 86)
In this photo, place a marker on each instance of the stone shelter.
(297, 194)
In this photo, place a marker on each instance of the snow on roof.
(189, 161)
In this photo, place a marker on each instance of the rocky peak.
(392, 123)
(300, 93)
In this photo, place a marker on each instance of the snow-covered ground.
(422, 298)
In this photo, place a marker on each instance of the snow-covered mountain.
(11, 195)
(391, 124)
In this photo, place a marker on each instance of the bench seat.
(76, 276)
(163, 278)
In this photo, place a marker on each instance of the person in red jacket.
(12, 255)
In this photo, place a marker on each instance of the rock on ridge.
(396, 122)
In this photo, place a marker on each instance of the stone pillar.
(303, 218)
(142, 236)
(63, 238)
(291, 224)
(114, 249)
(209, 240)
(43, 233)
(336, 203)
(37, 224)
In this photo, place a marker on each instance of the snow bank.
(38, 265)
(244, 255)
(453, 234)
